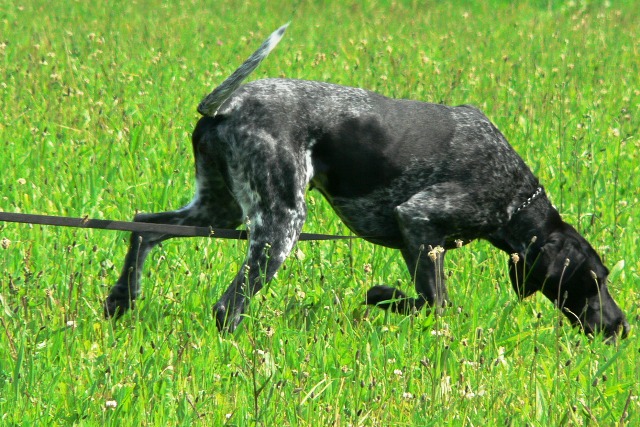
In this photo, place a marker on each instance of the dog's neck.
(539, 192)
(529, 226)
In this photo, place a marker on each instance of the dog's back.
(413, 145)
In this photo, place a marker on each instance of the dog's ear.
(548, 269)
(562, 256)
(529, 270)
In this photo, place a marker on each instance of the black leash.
(176, 230)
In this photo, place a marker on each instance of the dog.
(419, 177)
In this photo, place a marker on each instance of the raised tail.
(210, 104)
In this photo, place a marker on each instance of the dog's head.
(569, 272)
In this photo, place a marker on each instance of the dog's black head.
(568, 271)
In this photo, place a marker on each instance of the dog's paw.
(387, 297)
(114, 308)
(225, 320)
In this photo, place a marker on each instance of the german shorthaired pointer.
(422, 178)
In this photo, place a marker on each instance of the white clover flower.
(71, 324)
(5, 243)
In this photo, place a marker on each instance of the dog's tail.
(210, 104)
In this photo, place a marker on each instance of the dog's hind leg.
(213, 206)
(271, 239)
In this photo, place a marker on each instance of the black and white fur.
(422, 178)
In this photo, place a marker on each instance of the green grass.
(97, 103)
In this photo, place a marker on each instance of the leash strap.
(176, 230)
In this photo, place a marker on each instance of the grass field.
(97, 102)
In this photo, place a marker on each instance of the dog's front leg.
(427, 273)
(420, 220)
